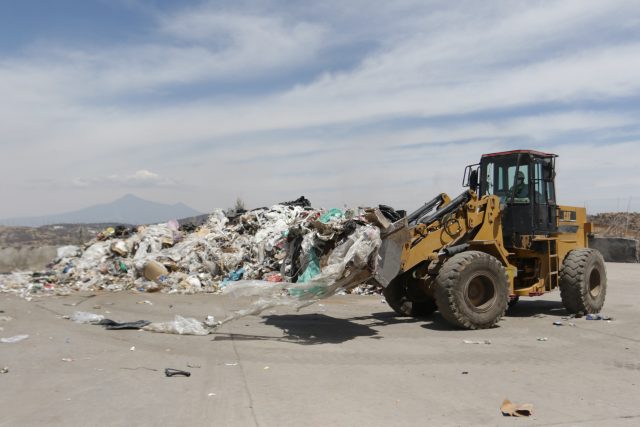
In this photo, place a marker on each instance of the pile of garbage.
(287, 243)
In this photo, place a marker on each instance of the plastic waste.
(180, 325)
(68, 251)
(170, 372)
(597, 316)
(14, 339)
(86, 317)
(280, 243)
(353, 253)
(210, 321)
(313, 268)
(331, 214)
(113, 325)
(234, 276)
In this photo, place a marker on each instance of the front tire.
(472, 290)
(583, 281)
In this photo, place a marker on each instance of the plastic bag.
(313, 268)
(14, 339)
(86, 317)
(331, 214)
(180, 325)
(348, 265)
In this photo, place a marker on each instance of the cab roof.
(532, 152)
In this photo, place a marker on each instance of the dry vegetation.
(618, 224)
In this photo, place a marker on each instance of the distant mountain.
(126, 210)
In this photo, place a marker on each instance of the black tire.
(472, 290)
(401, 301)
(583, 281)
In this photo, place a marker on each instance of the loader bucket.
(394, 238)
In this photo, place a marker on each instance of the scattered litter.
(266, 367)
(542, 339)
(180, 325)
(558, 323)
(231, 364)
(465, 372)
(14, 339)
(4, 370)
(133, 348)
(67, 359)
(173, 372)
(597, 317)
(5, 318)
(192, 365)
(510, 409)
(86, 317)
(113, 325)
(210, 321)
(139, 367)
(145, 302)
(476, 342)
(211, 394)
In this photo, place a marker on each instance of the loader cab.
(525, 182)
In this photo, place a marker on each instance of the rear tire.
(583, 281)
(399, 299)
(472, 290)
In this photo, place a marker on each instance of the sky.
(355, 103)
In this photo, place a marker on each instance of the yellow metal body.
(532, 268)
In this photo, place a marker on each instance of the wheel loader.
(503, 238)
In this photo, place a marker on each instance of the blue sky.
(356, 103)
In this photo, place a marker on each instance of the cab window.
(500, 179)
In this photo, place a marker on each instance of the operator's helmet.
(520, 176)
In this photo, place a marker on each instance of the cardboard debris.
(510, 409)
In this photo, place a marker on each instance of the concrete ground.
(345, 362)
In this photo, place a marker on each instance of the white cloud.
(139, 179)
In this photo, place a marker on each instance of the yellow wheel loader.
(502, 239)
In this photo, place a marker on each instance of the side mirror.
(473, 180)
(470, 178)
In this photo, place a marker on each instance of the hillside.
(129, 209)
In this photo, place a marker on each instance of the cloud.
(139, 179)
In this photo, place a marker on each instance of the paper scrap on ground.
(14, 339)
(510, 409)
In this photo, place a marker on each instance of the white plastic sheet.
(180, 325)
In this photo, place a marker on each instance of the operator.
(520, 190)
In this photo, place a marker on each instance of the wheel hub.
(480, 293)
(595, 284)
